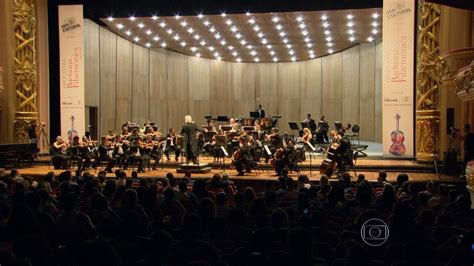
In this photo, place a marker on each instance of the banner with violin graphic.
(398, 78)
(71, 70)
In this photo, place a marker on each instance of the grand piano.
(17, 154)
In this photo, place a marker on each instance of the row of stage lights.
(241, 39)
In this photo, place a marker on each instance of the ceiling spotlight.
(330, 44)
(217, 36)
(253, 53)
(193, 49)
(212, 29)
(223, 42)
(219, 58)
(291, 52)
(275, 19)
(202, 43)
(351, 31)
(198, 55)
(120, 26)
(256, 28)
(285, 40)
(312, 56)
(183, 44)
(176, 37)
(302, 25)
(234, 53)
(374, 31)
(260, 35)
(228, 22)
(324, 17)
(249, 47)
(110, 19)
(211, 48)
(190, 30)
(272, 52)
(148, 32)
(183, 23)
(374, 24)
(264, 41)
(200, 15)
(325, 24)
(311, 51)
(269, 46)
(279, 27)
(289, 46)
(299, 18)
(304, 33)
(128, 32)
(206, 23)
(275, 59)
(136, 39)
(247, 14)
(327, 32)
(162, 24)
(350, 16)
(243, 42)
(169, 31)
(238, 36)
(177, 17)
(293, 58)
(375, 15)
(156, 38)
(256, 59)
(251, 21)
(282, 34)
(352, 39)
(309, 45)
(370, 39)
(230, 47)
(132, 18)
(154, 17)
(307, 39)
(141, 25)
(163, 44)
(238, 60)
(328, 39)
(196, 37)
(216, 54)
(330, 51)
(147, 44)
(223, 14)
(233, 29)
(350, 24)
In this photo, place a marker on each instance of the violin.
(397, 147)
(279, 153)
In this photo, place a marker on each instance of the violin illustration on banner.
(397, 147)
(72, 132)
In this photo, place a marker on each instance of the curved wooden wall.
(132, 83)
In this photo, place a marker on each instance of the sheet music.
(224, 151)
(267, 149)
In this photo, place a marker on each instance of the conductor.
(189, 139)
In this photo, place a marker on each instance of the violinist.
(134, 154)
(125, 134)
(234, 124)
(276, 140)
(112, 135)
(242, 158)
(153, 151)
(134, 135)
(75, 153)
(88, 148)
(210, 127)
(59, 153)
(307, 136)
(104, 154)
(171, 145)
(120, 150)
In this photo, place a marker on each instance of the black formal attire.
(322, 132)
(58, 157)
(286, 161)
(74, 154)
(172, 146)
(343, 156)
(105, 154)
(311, 124)
(189, 142)
(245, 161)
(261, 113)
(121, 153)
(468, 147)
(135, 156)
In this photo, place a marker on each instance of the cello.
(328, 165)
(397, 147)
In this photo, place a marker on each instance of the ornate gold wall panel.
(428, 80)
(24, 25)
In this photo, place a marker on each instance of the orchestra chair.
(354, 134)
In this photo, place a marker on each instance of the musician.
(152, 151)
(322, 130)
(261, 112)
(242, 158)
(276, 140)
(112, 135)
(171, 145)
(74, 152)
(307, 136)
(234, 124)
(343, 151)
(105, 153)
(59, 154)
(121, 151)
(311, 122)
(134, 155)
(134, 135)
(189, 131)
(125, 132)
(284, 157)
(88, 146)
(210, 127)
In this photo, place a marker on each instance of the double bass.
(328, 166)
(397, 147)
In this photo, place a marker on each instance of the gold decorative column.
(24, 25)
(428, 75)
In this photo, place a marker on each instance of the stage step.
(200, 168)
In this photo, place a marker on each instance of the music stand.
(305, 124)
(222, 118)
(338, 126)
(255, 115)
(221, 142)
(294, 126)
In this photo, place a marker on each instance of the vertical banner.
(398, 45)
(71, 72)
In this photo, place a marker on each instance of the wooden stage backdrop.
(128, 82)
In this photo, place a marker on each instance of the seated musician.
(234, 124)
(105, 153)
(153, 151)
(74, 152)
(112, 135)
(134, 155)
(209, 146)
(88, 147)
(242, 158)
(284, 157)
(171, 145)
(307, 136)
(276, 140)
(343, 151)
(311, 122)
(210, 127)
(322, 131)
(134, 135)
(125, 132)
(59, 154)
(120, 151)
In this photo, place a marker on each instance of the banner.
(398, 46)
(71, 72)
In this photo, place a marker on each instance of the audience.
(83, 219)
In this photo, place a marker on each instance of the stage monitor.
(254, 114)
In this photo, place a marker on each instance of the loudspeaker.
(449, 120)
(450, 163)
